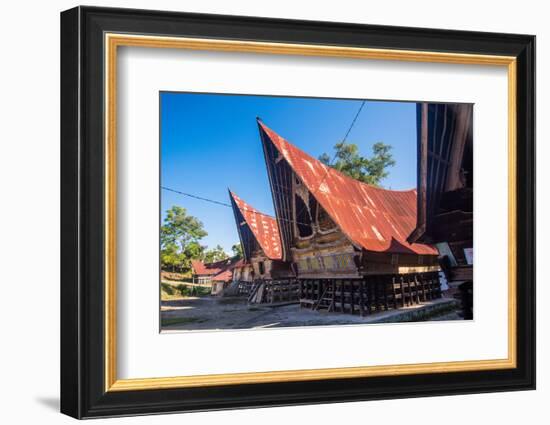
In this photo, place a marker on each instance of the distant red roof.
(224, 276)
(373, 218)
(220, 270)
(202, 269)
(263, 227)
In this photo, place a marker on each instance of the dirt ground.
(215, 313)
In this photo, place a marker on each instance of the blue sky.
(210, 143)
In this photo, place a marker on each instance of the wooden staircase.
(326, 301)
(256, 292)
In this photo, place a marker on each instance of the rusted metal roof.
(213, 269)
(227, 275)
(223, 276)
(372, 218)
(263, 227)
(200, 268)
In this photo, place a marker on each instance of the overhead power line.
(190, 195)
(354, 120)
(343, 141)
(225, 204)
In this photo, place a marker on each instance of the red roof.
(263, 227)
(202, 269)
(216, 268)
(373, 218)
(224, 276)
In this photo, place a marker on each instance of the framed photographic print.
(261, 212)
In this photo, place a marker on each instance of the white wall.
(29, 212)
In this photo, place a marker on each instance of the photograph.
(300, 211)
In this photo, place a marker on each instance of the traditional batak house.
(263, 276)
(445, 190)
(346, 241)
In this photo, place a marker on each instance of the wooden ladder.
(253, 291)
(326, 301)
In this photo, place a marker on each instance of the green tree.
(194, 251)
(215, 254)
(179, 236)
(368, 170)
(181, 228)
(171, 258)
(237, 250)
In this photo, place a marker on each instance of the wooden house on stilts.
(345, 241)
(445, 191)
(263, 276)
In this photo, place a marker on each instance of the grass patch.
(167, 321)
(176, 276)
(170, 291)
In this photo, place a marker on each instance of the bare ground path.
(212, 313)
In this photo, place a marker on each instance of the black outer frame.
(82, 206)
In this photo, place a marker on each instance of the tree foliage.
(215, 254)
(349, 161)
(172, 258)
(179, 239)
(194, 251)
(237, 250)
(180, 228)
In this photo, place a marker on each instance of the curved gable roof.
(263, 227)
(373, 218)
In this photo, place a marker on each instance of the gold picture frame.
(114, 41)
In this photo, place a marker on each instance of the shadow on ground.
(51, 403)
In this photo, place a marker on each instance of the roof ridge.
(331, 169)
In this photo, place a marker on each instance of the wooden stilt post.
(402, 287)
(417, 289)
(374, 296)
(378, 302)
(393, 292)
(366, 287)
(333, 289)
(413, 289)
(341, 282)
(383, 282)
(361, 298)
(409, 292)
(352, 296)
(422, 284)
